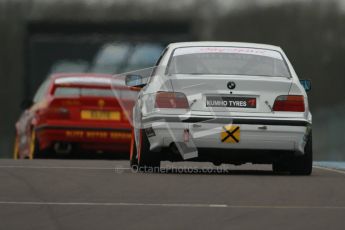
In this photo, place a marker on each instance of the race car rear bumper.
(259, 134)
(86, 137)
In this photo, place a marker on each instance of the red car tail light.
(172, 100)
(290, 103)
(56, 113)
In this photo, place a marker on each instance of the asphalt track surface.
(106, 194)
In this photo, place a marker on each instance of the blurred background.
(39, 37)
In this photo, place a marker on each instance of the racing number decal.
(230, 134)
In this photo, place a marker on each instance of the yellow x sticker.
(230, 134)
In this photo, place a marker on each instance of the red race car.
(75, 113)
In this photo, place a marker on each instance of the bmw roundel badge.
(231, 85)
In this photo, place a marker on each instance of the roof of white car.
(83, 80)
(87, 79)
(232, 44)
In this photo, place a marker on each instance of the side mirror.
(306, 85)
(134, 80)
(26, 103)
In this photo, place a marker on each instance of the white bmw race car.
(222, 102)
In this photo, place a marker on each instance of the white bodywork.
(261, 128)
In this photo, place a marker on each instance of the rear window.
(90, 92)
(227, 61)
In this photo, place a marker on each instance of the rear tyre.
(297, 165)
(303, 165)
(34, 148)
(147, 161)
(133, 158)
(16, 148)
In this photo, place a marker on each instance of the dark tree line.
(312, 35)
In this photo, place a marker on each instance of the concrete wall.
(12, 33)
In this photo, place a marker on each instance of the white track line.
(170, 205)
(64, 167)
(329, 169)
(123, 168)
(114, 204)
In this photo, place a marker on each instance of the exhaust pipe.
(217, 163)
(62, 148)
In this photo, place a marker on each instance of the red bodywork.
(83, 121)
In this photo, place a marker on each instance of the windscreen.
(124, 57)
(227, 61)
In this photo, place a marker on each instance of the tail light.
(172, 100)
(291, 103)
(56, 113)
